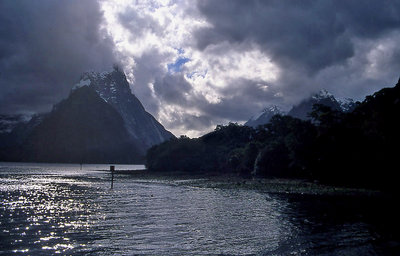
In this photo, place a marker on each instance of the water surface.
(48, 208)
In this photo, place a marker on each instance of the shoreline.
(271, 186)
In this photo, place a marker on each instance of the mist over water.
(48, 209)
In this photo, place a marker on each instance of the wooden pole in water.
(112, 169)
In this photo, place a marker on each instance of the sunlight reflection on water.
(61, 209)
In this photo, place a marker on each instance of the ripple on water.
(49, 210)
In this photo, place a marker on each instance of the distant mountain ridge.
(100, 122)
(264, 116)
(9, 122)
(358, 149)
(304, 108)
(347, 104)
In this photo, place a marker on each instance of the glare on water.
(48, 209)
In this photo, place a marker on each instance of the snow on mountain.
(100, 121)
(264, 116)
(323, 97)
(323, 94)
(81, 128)
(347, 104)
(304, 108)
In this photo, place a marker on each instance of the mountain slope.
(20, 131)
(114, 89)
(304, 108)
(9, 122)
(82, 128)
(101, 121)
(347, 105)
(264, 116)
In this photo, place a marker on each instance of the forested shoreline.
(355, 149)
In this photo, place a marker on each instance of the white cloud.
(233, 69)
(149, 35)
(195, 64)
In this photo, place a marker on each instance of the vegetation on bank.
(233, 181)
(359, 148)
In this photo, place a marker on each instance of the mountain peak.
(108, 84)
(347, 104)
(113, 87)
(273, 108)
(322, 94)
(323, 97)
(270, 110)
(100, 121)
(264, 116)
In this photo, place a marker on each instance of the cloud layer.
(195, 65)
(312, 35)
(318, 42)
(44, 47)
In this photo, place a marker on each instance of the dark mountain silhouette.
(114, 89)
(20, 132)
(82, 128)
(9, 122)
(100, 122)
(304, 108)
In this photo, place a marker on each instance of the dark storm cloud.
(238, 101)
(348, 47)
(166, 88)
(147, 70)
(242, 98)
(309, 35)
(44, 47)
(172, 88)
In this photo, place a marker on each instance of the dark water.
(50, 209)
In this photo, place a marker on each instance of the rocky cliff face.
(80, 129)
(114, 89)
(100, 122)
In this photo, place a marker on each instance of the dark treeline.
(360, 148)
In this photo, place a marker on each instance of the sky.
(196, 64)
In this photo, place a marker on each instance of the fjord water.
(47, 209)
